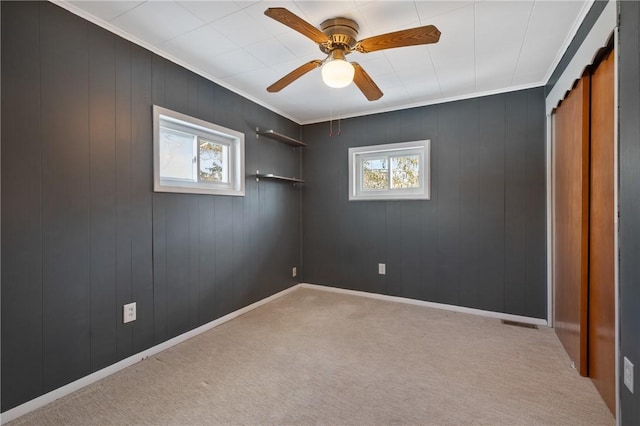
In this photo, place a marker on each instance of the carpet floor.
(319, 357)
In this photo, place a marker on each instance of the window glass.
(375, 174)
(177, 155)
(214, 162)
(405, 171)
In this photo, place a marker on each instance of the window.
(398, 171)
(194, 156)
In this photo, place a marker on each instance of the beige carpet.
(316, 357)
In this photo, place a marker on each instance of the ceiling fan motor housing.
(342, 33)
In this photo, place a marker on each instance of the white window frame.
(209, 132)
(358, 155)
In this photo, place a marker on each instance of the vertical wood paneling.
(160, 267)
(252, 249)
(448, 204)
(347, 235)
(224, 254)
(320, 239)
(176, 88)
(515, 221)
(178, 223)
(536, 222)
(629, 172)
(177, 290)
(491, 203)
(21, 205)
(410, 130)
(410, 249)
(102, 212)
(394, 245)
(207, 253)
(376, 219)
(194, 219)
(237, 250)
(65, 196)
(142, 202)
(428, 222)
(469, 196)
(123, 178)
(376, 246)
(207, 259)
(194, 261)
(206, 226)
(272, 202)
(159, 206)
(363, 268)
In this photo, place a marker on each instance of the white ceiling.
(485, 47)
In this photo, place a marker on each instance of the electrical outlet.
(129, 312)
(628, 374)
(382, 268)
(294, 272)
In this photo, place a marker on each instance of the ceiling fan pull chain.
(330, 125)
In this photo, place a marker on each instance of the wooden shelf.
(272, 134)
(271, 176)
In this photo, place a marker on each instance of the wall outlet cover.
(129, 312)
(628, 374)
(294, 272)
(382, 268)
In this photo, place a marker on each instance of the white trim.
(49, 397)
(616, 221)
(596, 39)
(392, 108)
(550, 186)
(442, 306)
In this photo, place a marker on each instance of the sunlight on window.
(214, 159)
(176, 155)
(405, 171)
(375, 174)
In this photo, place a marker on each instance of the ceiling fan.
(337, 39)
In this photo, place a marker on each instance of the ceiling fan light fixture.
(337, 73)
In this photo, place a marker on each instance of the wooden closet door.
(601, 345)
(571, 222)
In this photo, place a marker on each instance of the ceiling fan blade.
(293, 21)
(364, 82)
(293, 76)
(411, 37)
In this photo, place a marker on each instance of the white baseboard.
(454, 308)
(49, 397)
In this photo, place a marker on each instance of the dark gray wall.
(629, 234)
(82, 231)
(479, 242)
